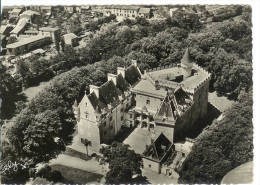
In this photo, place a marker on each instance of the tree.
(221, 147)
(123, 163)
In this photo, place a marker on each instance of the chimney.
(134, 62)
(95, 89)
(111, 77)
(121, 70)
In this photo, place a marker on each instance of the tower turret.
(186, 64)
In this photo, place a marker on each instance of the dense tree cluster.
(123, 163)
(223, 146)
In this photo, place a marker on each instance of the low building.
(54, 33)
(30, 15)
(28, 44)
(5, 29)
(70, 9)
(70, 39)
(20, 27)
(122, 11)
(145, 13)
(85, 9)
(31, 32)
(15, 12)
(47, 10)
(157, 153)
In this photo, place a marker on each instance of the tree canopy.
(123, 163)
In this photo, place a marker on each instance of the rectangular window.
(110, 119)
(131, 115)
(150, 166)
(148, 102)
(122, 117)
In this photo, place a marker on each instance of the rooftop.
(70, 36)
(48, 29)
(158, 149)
(25, 41)
(145, 10)
(20, 25)
(30, 12)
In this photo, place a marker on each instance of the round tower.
(186, 64)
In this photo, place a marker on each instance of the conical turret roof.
(186, 59)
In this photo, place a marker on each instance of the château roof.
(186, 59)
(111, 94)
(158, 149)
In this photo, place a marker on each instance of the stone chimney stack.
(95, 89)
(134, 62)
(111, 77)
(121, 70)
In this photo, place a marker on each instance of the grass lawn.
(31, 92)
(76, 176)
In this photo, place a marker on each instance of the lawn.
(31, 92)
(76, 176)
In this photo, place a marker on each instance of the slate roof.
(158, 148)
(109, 93)
(132, 74)
(186, 59)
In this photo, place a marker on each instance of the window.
(110, 119)
(148, 102)
(150, 166)
(105, 123)
(122, 117)
(131, 115)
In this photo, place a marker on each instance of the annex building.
(162, 103)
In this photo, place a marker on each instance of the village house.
(122, 11)
(70, 39)
(70, 9)
(162, 103)
(30, 15)
(25, 45)
(20, 27)
(145, 13)
(15, 12)
(54, 33)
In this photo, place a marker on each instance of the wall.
(152, 107)
(87, 126)
(152, 165)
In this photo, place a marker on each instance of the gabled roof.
(132, 74)
(70, 36)
(20, 25)
(158, 149)
(108, 93)
(121, 83)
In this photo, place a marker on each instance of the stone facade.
(167, 100)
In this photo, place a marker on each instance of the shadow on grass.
(76, 176)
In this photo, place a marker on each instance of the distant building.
(85, 9)
(31, 32)
(28, 44)
(172, 10)
(70, 9)
(122, 11)
(20, 27)
(15, 13)
(54, 33)
(145, 13)
(30, 15)
(70, 39)
(47, 10)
